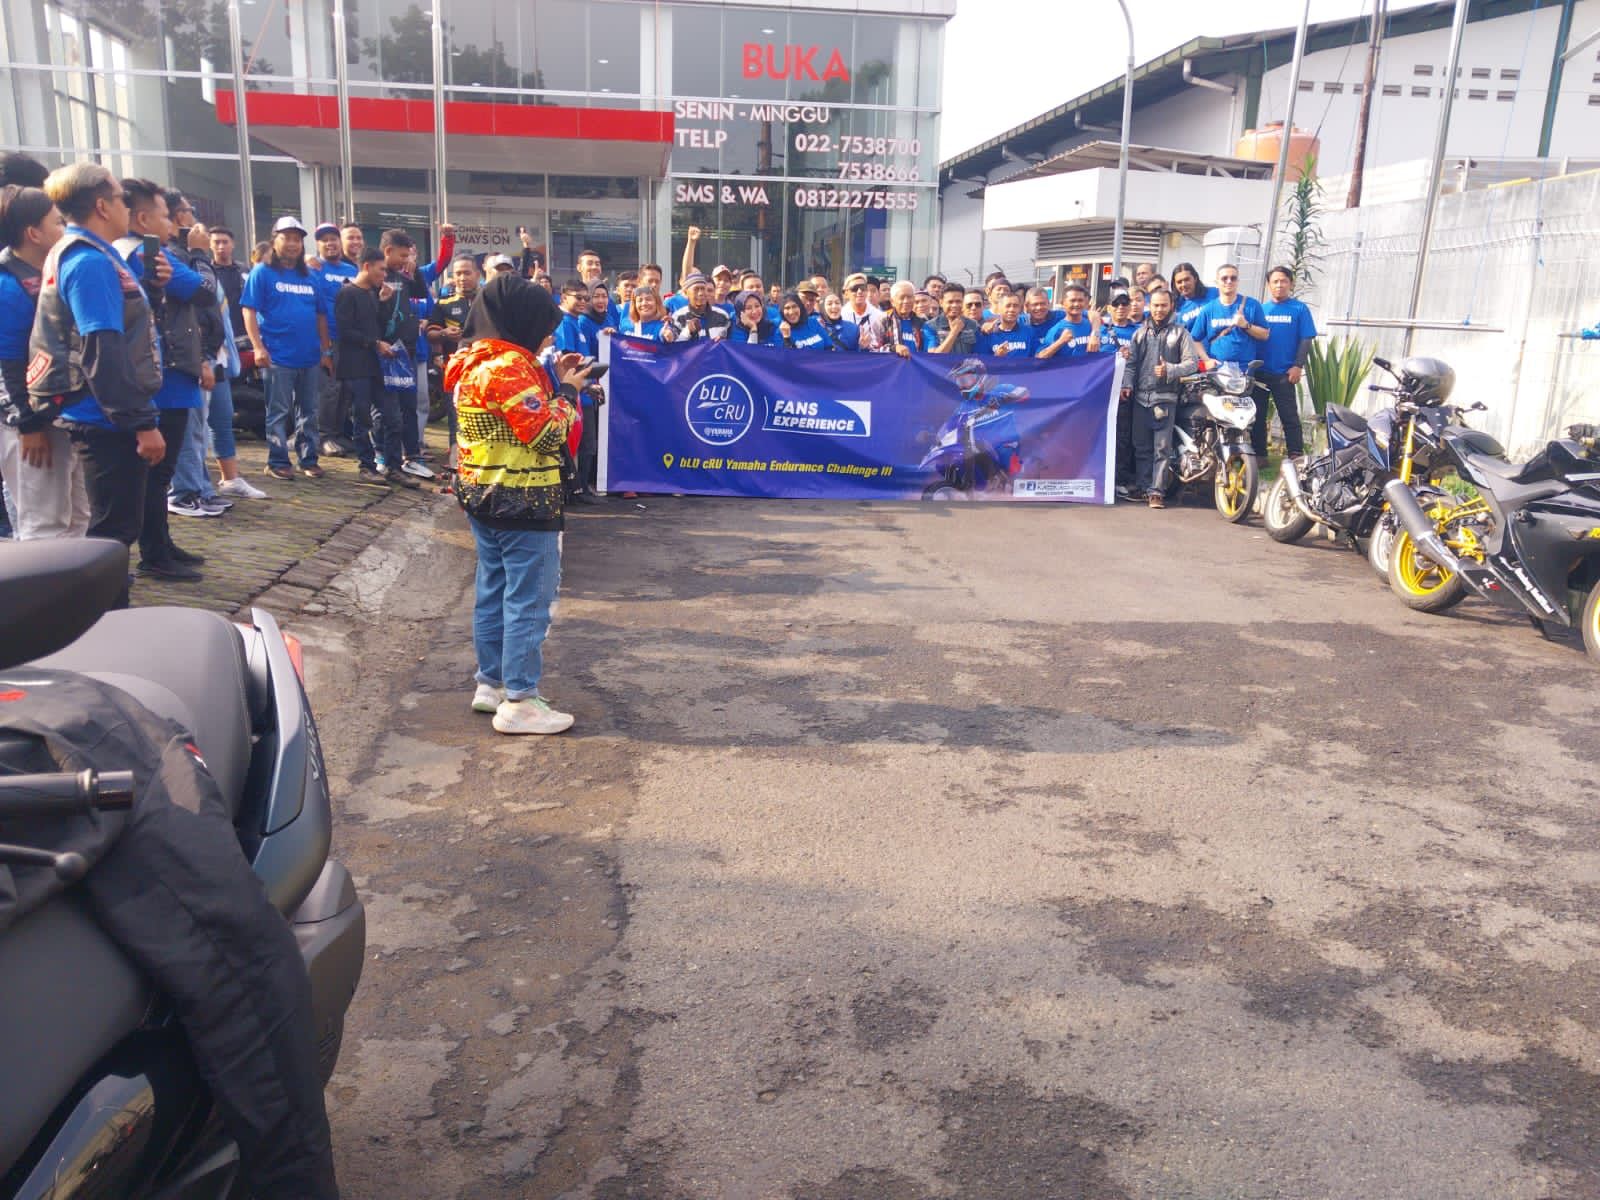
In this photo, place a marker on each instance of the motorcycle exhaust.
(1291, 482)
(1403, 502)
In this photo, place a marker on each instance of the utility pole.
(1369, 81)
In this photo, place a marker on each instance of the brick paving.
(285, 549)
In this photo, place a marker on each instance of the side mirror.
(1382, 362)
(1255, 364)
(52, 591)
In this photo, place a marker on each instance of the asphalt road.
(904, 852)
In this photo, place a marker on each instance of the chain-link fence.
(1507, 266)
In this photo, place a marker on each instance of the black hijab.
(511, 309)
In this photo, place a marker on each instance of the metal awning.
(1147, 158)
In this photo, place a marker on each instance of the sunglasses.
(1227, 279)
(860, 287)
(972, 304)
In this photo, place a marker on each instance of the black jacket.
(231, 277)
(356, 313)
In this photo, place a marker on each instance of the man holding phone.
(95, 354)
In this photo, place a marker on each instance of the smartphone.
(152, 254)
(597, 372)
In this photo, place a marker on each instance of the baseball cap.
(721, 269)
(289, 225)
(496, 262)
(325, 228)
(806, 288)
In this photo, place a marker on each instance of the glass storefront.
(801, 140)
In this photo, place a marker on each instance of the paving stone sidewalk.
(283, 550)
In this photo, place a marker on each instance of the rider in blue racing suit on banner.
(998, 426)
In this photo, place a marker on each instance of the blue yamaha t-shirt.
(1019, 340)
(287, 303)
(1287, 324)
(809, 335)
(91, 285)
(16, 319)
(644, 329)
(1081, 331)
(1187, 310)
(842, 335)
(1213, 328)
(907, 336)
(333, 276)
(577, 334)
(1114, 336)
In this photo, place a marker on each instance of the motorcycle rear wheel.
(1380, 546)
(1234, 487)
(1421, 584)
(1284, 522)
(1591, 623)
(944, 491)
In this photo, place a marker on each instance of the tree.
(1302, 225)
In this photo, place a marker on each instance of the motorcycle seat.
(1352, 425)
(1503, 481)
(184, 664)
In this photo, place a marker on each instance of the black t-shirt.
(231, 277)
(451, 313)
(407, 288)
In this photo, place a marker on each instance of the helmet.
(969, 374)
(1428, 380)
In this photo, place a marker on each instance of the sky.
(1000, 71)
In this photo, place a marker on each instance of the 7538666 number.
(855, 198)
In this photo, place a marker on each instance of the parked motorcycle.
(1211, 438)
(101, 1095)
(1342, 488)
(1529, 539)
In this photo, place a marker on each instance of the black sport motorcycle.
(99, 1093)
(1529, 539)
(1342, 488)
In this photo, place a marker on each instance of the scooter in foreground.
(99, 1094)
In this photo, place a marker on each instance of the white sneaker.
(238, 487)
(487, 699)
(412, 467)
(533, 715)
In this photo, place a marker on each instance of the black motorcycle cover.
(169, 883)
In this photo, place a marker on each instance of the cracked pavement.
(907, 852)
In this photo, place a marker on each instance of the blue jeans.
(219, 415)
(292, 390)
(189, 478)
(519, 572)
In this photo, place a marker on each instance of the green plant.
(1302, 223)
(1335, 371)
(1458, 487)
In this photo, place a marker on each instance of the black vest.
(55, 362)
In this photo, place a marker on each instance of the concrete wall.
(1403, 126)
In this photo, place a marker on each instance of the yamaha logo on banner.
(719, 410)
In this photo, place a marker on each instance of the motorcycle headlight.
(1238, 387)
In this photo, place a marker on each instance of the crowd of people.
(125, 324)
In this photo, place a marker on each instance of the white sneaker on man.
(533, 715)
(421, 470)
(238, 487)
(488, 698)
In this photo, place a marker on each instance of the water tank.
(1262, 146)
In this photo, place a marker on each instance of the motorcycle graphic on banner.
(718, 419)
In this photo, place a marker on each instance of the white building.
(1039, 201)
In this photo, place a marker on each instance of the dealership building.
(800, 137)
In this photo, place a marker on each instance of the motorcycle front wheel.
(1591, 623)
(1380, 546)
(1234, 487)
(1422, 584)
(1284, 521)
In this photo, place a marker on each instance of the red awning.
(478, 136)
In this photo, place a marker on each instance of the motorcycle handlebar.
(66, 791)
